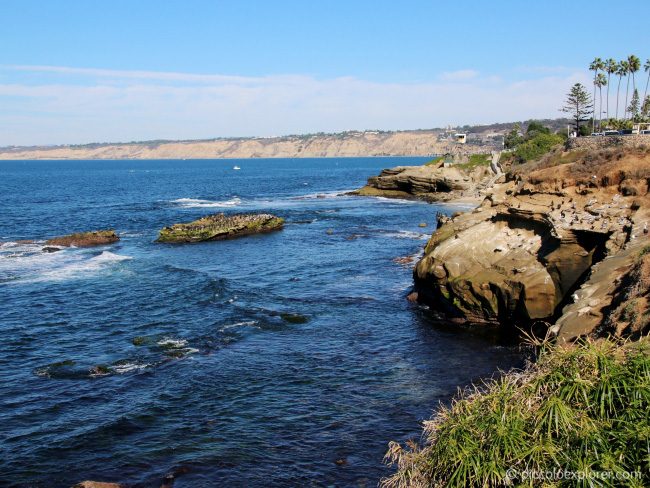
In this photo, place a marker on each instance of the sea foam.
(198, 203)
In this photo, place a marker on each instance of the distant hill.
(344, 144)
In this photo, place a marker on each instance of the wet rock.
(404, 260)
(97, 484)
(219, 227)
(294, 318)
(99, 370)
(50, 249)
(412, 297)
(170, 478)
(85, 239)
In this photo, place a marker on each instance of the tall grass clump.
(581, 409)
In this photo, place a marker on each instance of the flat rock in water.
(97, 484)
(220, 226)
(85, 239)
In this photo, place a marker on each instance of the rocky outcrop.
(84, 239)
(431, 182)
(220, 226)
(521, 255)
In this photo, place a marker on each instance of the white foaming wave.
(128, 367)
(400, 201)
(407, 234)
(198, 203)
(323, 194)
(33, 265)
(245, 323)
(172, 343)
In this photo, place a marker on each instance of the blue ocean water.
(131, 361)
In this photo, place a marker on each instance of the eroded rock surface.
(85, 239)
(521, 255)
(219, 227)
(431, 183)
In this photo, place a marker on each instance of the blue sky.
(83, 71)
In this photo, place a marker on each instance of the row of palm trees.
(627, 68)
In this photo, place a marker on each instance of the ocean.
(285, 359)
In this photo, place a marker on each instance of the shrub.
(537, 146)
(582, 409)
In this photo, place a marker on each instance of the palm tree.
(626, 65)
(635, 65)
(621, 71)
(595, 66)
(610, 67)
(600, 82)
(646, 67)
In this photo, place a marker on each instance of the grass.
(475, 160)
(581, 408)
(434, 161)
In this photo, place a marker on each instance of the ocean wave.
(198, 203)
(127, 367)
(244, 323)
(29, 263)
(407, 234)
(322, 195)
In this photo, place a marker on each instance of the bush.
(537, 146)
(583, 409)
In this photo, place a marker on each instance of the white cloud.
(460, 75)
(87, 105)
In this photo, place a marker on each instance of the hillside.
(347, 144)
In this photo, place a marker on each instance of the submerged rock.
(50, 249)
(219, 227)
(85, 239)
(294, 318)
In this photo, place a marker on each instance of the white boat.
(236, 167)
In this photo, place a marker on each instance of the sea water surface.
(285, 359)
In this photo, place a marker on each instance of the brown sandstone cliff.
(348, 144)
(555, 242)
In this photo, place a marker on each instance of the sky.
(80, 71)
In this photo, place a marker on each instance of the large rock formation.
(85, 239)
(218, 227)
(433, 182)
(522, 254)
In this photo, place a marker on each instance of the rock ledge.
(219, 227)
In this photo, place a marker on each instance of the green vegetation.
(537, 141)
(579, 409)
(579, 105)
(536, 147)
(476, 160)
(434, 161)
(634, 112)
(219, 226)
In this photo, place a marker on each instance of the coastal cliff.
(452, 177)
(346, 144)
(548, 244)
(562, 244)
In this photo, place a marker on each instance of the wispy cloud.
(73, 105)
(460, 75)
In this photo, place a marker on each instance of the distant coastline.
(368, 143)
(346, 144)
